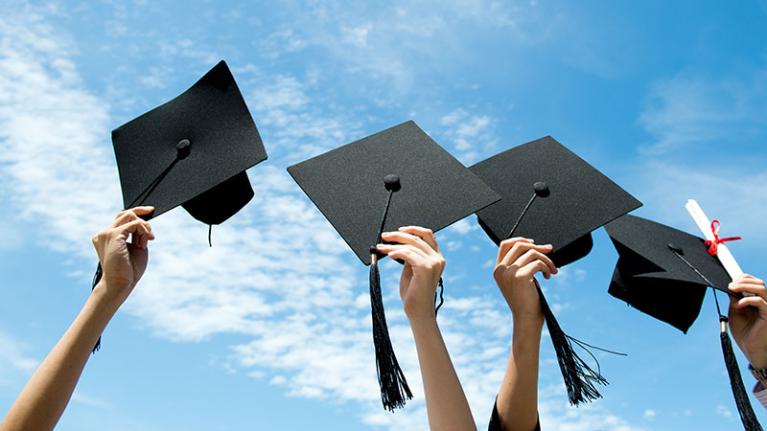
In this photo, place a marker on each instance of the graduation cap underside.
(394, 178)
(551, 195)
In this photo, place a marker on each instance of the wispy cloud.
(471, 135)
(13, 357)
(687, 112)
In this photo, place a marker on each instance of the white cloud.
(471, 135)
(688, 111)
(723, 411)
(649, 414)
(13, 357)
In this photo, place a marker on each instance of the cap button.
(183, 148)
(541, 189)
(392, 183)
(673, 247)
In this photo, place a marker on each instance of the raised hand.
(748, 319)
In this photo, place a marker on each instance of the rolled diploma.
(723, 253)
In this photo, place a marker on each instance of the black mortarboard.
(578, 199)
(653, 274)
(192, 151)
(552, 196)
(394, 178)
(665, 272)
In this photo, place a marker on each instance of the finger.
(122, 218)
(408, 255)
(506, 245)
(520, 248)
(406, 238)
(532, 255)
(746, 287)
(534, 267)
(138, 228)
(423, 233)
(754, 301)
(388, 248)
(142, 211)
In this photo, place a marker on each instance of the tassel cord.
(139, 200)
(391, 380)
(743, 404)
(578, 376)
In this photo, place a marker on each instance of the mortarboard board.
(665, 272)
(192, 151)
(553, 196)
(394, 178)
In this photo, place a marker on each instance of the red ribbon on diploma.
(713, 246)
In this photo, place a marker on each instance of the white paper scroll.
(704, 224)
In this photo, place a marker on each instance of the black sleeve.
(495, 422)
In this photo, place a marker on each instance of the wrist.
(109, 296)
(421, 318)
(527, 331)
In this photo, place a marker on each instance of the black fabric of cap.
(652, 277)
(191, 151)
(573, 198)
(394, 178)
(347, 185)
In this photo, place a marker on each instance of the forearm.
(446, 404)
(518, 396)
(43, 399)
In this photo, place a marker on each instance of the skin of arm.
(446, 403)
(46, 394)
(518, 260)
(748, 319)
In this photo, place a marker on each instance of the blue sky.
(269, 329)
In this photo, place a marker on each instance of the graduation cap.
(394, 178)
(192, 151)
(553, 196)
(665, 273)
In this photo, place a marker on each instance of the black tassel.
(579, 378)
(96, 279)
(441, 287)
(747, 416)
(394, 388)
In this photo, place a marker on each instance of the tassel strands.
(96, 279)
(746, 412)
(394, 388)
(580, 379)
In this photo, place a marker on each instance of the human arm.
(517, 262)
(47, 393)
(446, 404)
